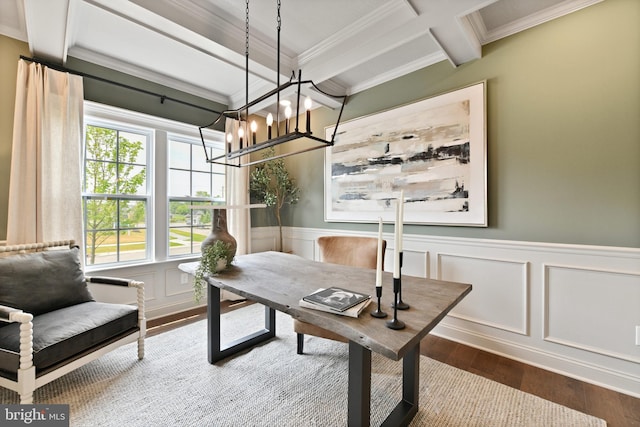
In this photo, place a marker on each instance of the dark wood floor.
(617, 409)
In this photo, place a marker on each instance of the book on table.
(337, 300)
(350, 312)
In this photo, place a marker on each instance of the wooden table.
(278, 281)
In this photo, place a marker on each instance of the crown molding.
(17, 30)
(144, 73)
(487, 36)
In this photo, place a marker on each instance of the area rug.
(270, 385)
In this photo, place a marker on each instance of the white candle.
(396, 249)
(401, 215)
(379, 265)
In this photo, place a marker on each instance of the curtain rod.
(90, 76)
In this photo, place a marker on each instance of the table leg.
(404, 411)
(215, 351)
(358, 413)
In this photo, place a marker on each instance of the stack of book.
(336, 300)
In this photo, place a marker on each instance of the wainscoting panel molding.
(496, 283)
(173, 282)
(579, 303)
(570, 309)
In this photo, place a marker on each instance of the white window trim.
(157, 172)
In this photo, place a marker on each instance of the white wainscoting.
(571, 309)
(167, 289)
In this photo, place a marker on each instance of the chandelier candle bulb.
(254, 128)
(229, 139)
(307, 107)
(240, 135)
(269, 123)
(379, 260)
(287, 115)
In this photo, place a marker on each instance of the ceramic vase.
(219, 232)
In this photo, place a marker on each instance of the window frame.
(195, 144)
(157, 178)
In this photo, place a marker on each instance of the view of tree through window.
(115, 196)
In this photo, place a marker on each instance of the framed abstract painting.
(433, 150)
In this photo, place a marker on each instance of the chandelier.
(246, 132)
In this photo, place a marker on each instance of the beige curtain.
(44, 189)
(237, 189)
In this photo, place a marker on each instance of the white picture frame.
(433, 149)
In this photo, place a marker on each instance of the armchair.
(49, 322)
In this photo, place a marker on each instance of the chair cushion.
(43, 281)
(62, 334)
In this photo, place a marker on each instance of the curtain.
(237, 194)
(44, 190)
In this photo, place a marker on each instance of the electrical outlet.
(637, 335)
(184, 278)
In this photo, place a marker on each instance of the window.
(192, 181)
(141, 175)
(116, 196)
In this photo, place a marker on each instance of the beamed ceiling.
(198, 46)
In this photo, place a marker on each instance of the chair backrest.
(350, 250)
(35, 247)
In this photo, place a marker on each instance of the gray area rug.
(271, 385)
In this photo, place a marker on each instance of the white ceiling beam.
(47, 28)
(346, 49)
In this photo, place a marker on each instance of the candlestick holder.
(377, 312)
(399, 304)
(395, 323)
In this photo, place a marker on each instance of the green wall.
(10, 51)
(105, 93)
(563, 125)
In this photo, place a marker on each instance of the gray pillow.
(44, 281)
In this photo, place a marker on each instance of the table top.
(280, 280)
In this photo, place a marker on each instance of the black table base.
(216, 351)
(359, 396)
(360, 388)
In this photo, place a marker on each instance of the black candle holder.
(377, 312)
(395, 323)
(399, 304)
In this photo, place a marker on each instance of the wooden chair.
(345, 250)
(50, 323)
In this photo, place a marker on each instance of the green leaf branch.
(211, 255)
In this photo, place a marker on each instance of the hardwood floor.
(617, 409)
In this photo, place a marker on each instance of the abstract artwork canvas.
(434, 150)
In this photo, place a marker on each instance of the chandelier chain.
(279, 19)
(246, 30)
(246, 61)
